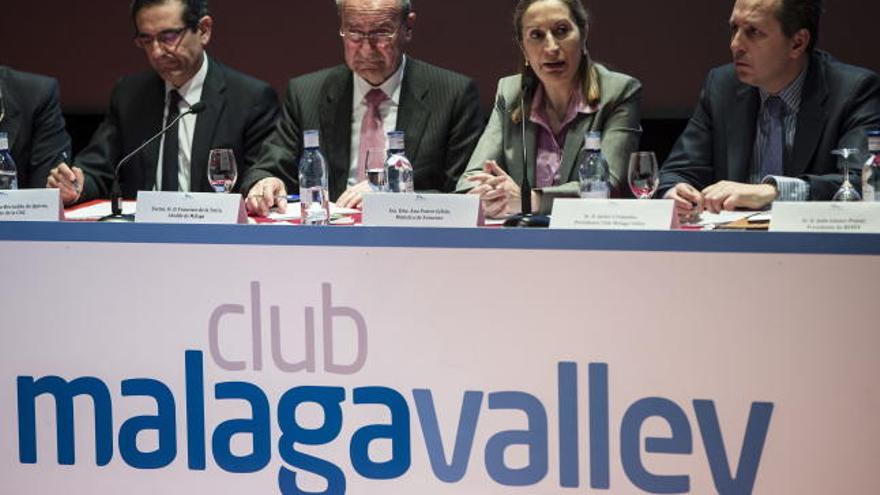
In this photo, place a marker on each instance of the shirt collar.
(576, 105)
(390, 87)
(792, 93)
(192, 90)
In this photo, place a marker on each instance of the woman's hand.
(499, 193)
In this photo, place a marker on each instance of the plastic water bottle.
(8, 171)
(398, 169)
(593, 169)
(313, 195)
(871, 169)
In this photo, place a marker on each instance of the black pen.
(63, 158)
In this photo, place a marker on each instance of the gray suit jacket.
(617, 119)
(439, 112)
(839, 103)
(32, 119)
(240, 112)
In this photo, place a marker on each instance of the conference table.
(144, 358)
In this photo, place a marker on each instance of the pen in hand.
(64, 158)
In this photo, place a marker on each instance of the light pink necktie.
(372, 133)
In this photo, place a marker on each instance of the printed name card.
(30, 205)
(422, 210)
(189, 208)
(828, 217)
(612, 214)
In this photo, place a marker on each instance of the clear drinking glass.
(222, 170)
(374, 163)
(643, 174)
(847, 159)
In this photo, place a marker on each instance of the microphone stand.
(116, 214)
(526, 218)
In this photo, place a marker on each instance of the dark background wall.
(669, 45)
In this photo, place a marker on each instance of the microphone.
(526, 219)
(116, 191)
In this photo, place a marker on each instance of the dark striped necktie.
(774, 143)
(171, 148)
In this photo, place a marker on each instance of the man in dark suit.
(377, 90)
(765, 125)
(239, 111)
(31, 117)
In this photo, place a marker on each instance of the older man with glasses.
(379, 89)
(239, 111)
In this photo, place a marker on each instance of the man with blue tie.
(765, 125)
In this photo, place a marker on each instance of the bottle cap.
(873, 141)
(593, 141)
(396, 140)
(311, 139)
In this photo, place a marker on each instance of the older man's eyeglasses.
(379, 37)
(167, 38)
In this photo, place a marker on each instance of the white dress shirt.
(387, 110)
(191, 92)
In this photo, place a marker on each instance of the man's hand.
(688, 201)
(353, 197)
(727, 195)
(69, 180)
(269, 192)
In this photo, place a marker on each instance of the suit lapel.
(741, 134)
(335, 117)
(206, 125)
(810, 121)
(149, 121)
(413, 112)
(574, 141)
(11, 122)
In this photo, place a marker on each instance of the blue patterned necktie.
(774, 142)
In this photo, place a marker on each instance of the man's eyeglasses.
(379, 37)
(167, 38)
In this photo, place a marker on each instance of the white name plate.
(612, 214)
(30, 205)
(829, 217)
(171, 207)
(422, 210)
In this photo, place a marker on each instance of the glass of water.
(847, 160)
(374, 163)
(222, 170)
(643, 174)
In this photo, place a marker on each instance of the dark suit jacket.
(240, 112)
(33, 120)
(839, 103)
(439, 112)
